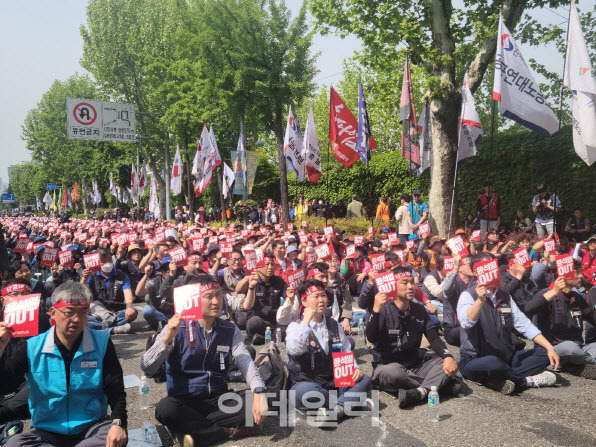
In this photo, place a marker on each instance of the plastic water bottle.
(105, 325)
(433, 405)
(267, 334)
(278, 335)
(151, 435)
(361, 329)
(144, 393)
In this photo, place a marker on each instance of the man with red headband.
(73, 375)
(198, 355)
(311, 341)
(395, 329)
(16, 406)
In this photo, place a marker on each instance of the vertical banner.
(252, 160)
(239, 168)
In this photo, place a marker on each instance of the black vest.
(564, 320)
(314, 365)
(450, 302)
(401, 335)
(491, 335)
(112, 299)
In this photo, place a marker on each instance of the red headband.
(194, 258)
(61, 304)
(315, 271)
(402, 275)
(313, 289)
(18, 287)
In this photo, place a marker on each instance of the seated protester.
(69, 407)
(335, 245)
(231, 275)
(543, 272)
(157, 309)
(154, 256)
(128, 262)
(112, 296)
(211, 262)
(198, 355)
(15, 404)
(456, 282)
(588, 260)
(493, 245)
(265, 294)
(433, 246)
(432, 287)
(175, 275)
(488, 356)
(560, 313)
(66, 273)
(292, 261)
(357, 270)
(338, 300)
(278, 248)
(395, 330)
(20, 269)
(516, 282)
(525, 242)
(417, 257)
(578, 227)
(366, 299)
(310, 343)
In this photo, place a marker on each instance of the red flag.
(64, 198)
(410, 147)
(343, 128)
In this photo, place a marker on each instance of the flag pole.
(561, 104)
(327, 186)
(492, 141)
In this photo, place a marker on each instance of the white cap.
(143, 378)
(433, 388)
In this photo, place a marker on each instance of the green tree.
(443, 41)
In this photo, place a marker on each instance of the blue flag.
(362, 143)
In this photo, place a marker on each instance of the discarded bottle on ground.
(268, 334)
(433, 405)
(278, 335)
(144, 393)
(361, 329)
(151, 435)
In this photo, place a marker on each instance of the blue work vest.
(54, 408)
(197, 368)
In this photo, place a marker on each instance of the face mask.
(107, 267)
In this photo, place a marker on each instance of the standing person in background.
(340, 210)
(301, 209)
(417, 211)
(383, 211)
(488, 206)
(545, 206)
(355, 208)
(401, 219)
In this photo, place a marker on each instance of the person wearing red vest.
(489, 209)
(588, 260)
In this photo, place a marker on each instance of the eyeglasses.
(70, 314)
(235, 259)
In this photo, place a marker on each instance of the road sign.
(100, 120)
(51, 186)
(8, 198)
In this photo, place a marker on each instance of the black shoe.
(258, 340)
(408, 398)
(451, 388)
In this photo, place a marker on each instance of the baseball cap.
(591, 238)
(413, 237)
(290, 249)
(416, 192)
(212, 248)
(165, 261)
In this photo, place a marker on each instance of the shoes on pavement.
(243, 431)
(501, 385)
(326, 418)
(123, 329)
(451, 388)
(409, 398)
(185, 440)
(545, 378)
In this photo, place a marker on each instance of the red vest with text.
(490, 213)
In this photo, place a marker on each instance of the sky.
(40, 42)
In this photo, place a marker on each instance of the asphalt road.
(560, 416)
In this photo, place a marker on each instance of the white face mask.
(107, 267)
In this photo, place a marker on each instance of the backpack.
(272, 368)
(160, 375)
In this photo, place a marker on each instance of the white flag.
(176, 179)
(96, 193)
(199, 160)
(113, 188)
(579, 77)
(228, 180)
(142, 181)
(426, 143)
(470, 130)
(134, 182)
(37, 203)
(311, 150)
(293, 149)
(217, 157)
(125, 194)
(208, 151)
(519, 96)
(153, 200)
(47, 199)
